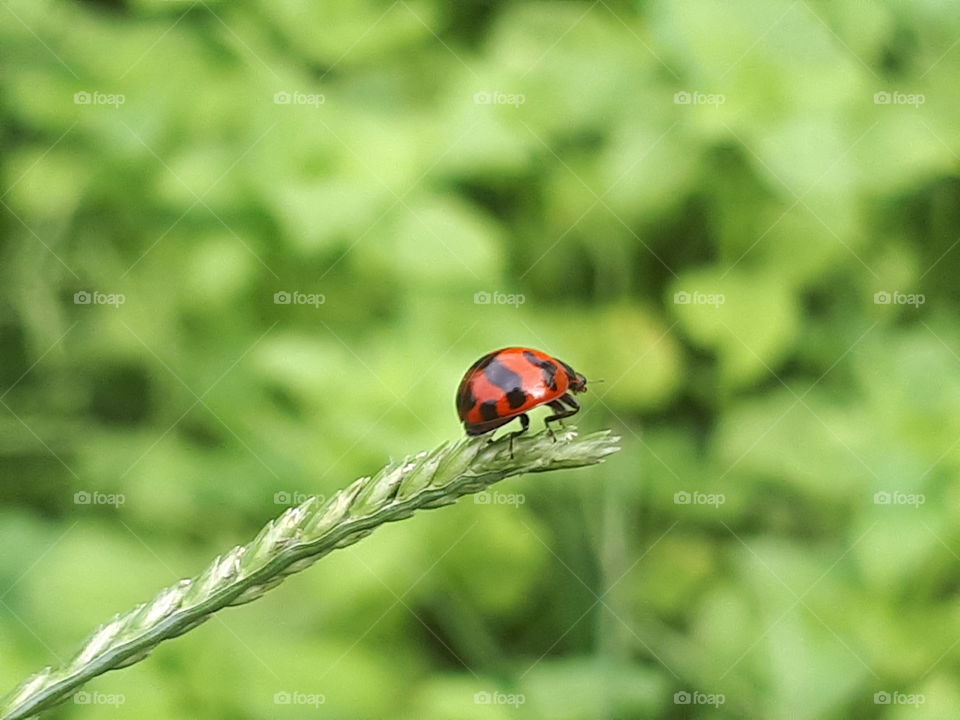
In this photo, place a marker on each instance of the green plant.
(298, 538)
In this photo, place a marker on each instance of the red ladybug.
(508, 383)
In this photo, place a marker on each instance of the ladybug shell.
(507, 383)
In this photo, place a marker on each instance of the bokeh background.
(743, 217)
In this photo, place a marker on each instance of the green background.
(782, 197)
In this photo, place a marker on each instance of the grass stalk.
(298, 538)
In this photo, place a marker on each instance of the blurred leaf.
(748, 321)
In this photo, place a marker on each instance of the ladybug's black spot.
(466, 399)
(488, 410)
(502, 376)
(571, 373)
(516, 398)
(549, 369)
(481, 363)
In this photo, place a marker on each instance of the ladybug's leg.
(561, 412)
(524, 426)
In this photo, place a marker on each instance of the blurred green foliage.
(776, 164)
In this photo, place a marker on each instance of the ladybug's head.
(578, 383)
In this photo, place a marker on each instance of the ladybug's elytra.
(508, 383)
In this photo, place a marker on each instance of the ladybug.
(508, 383)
